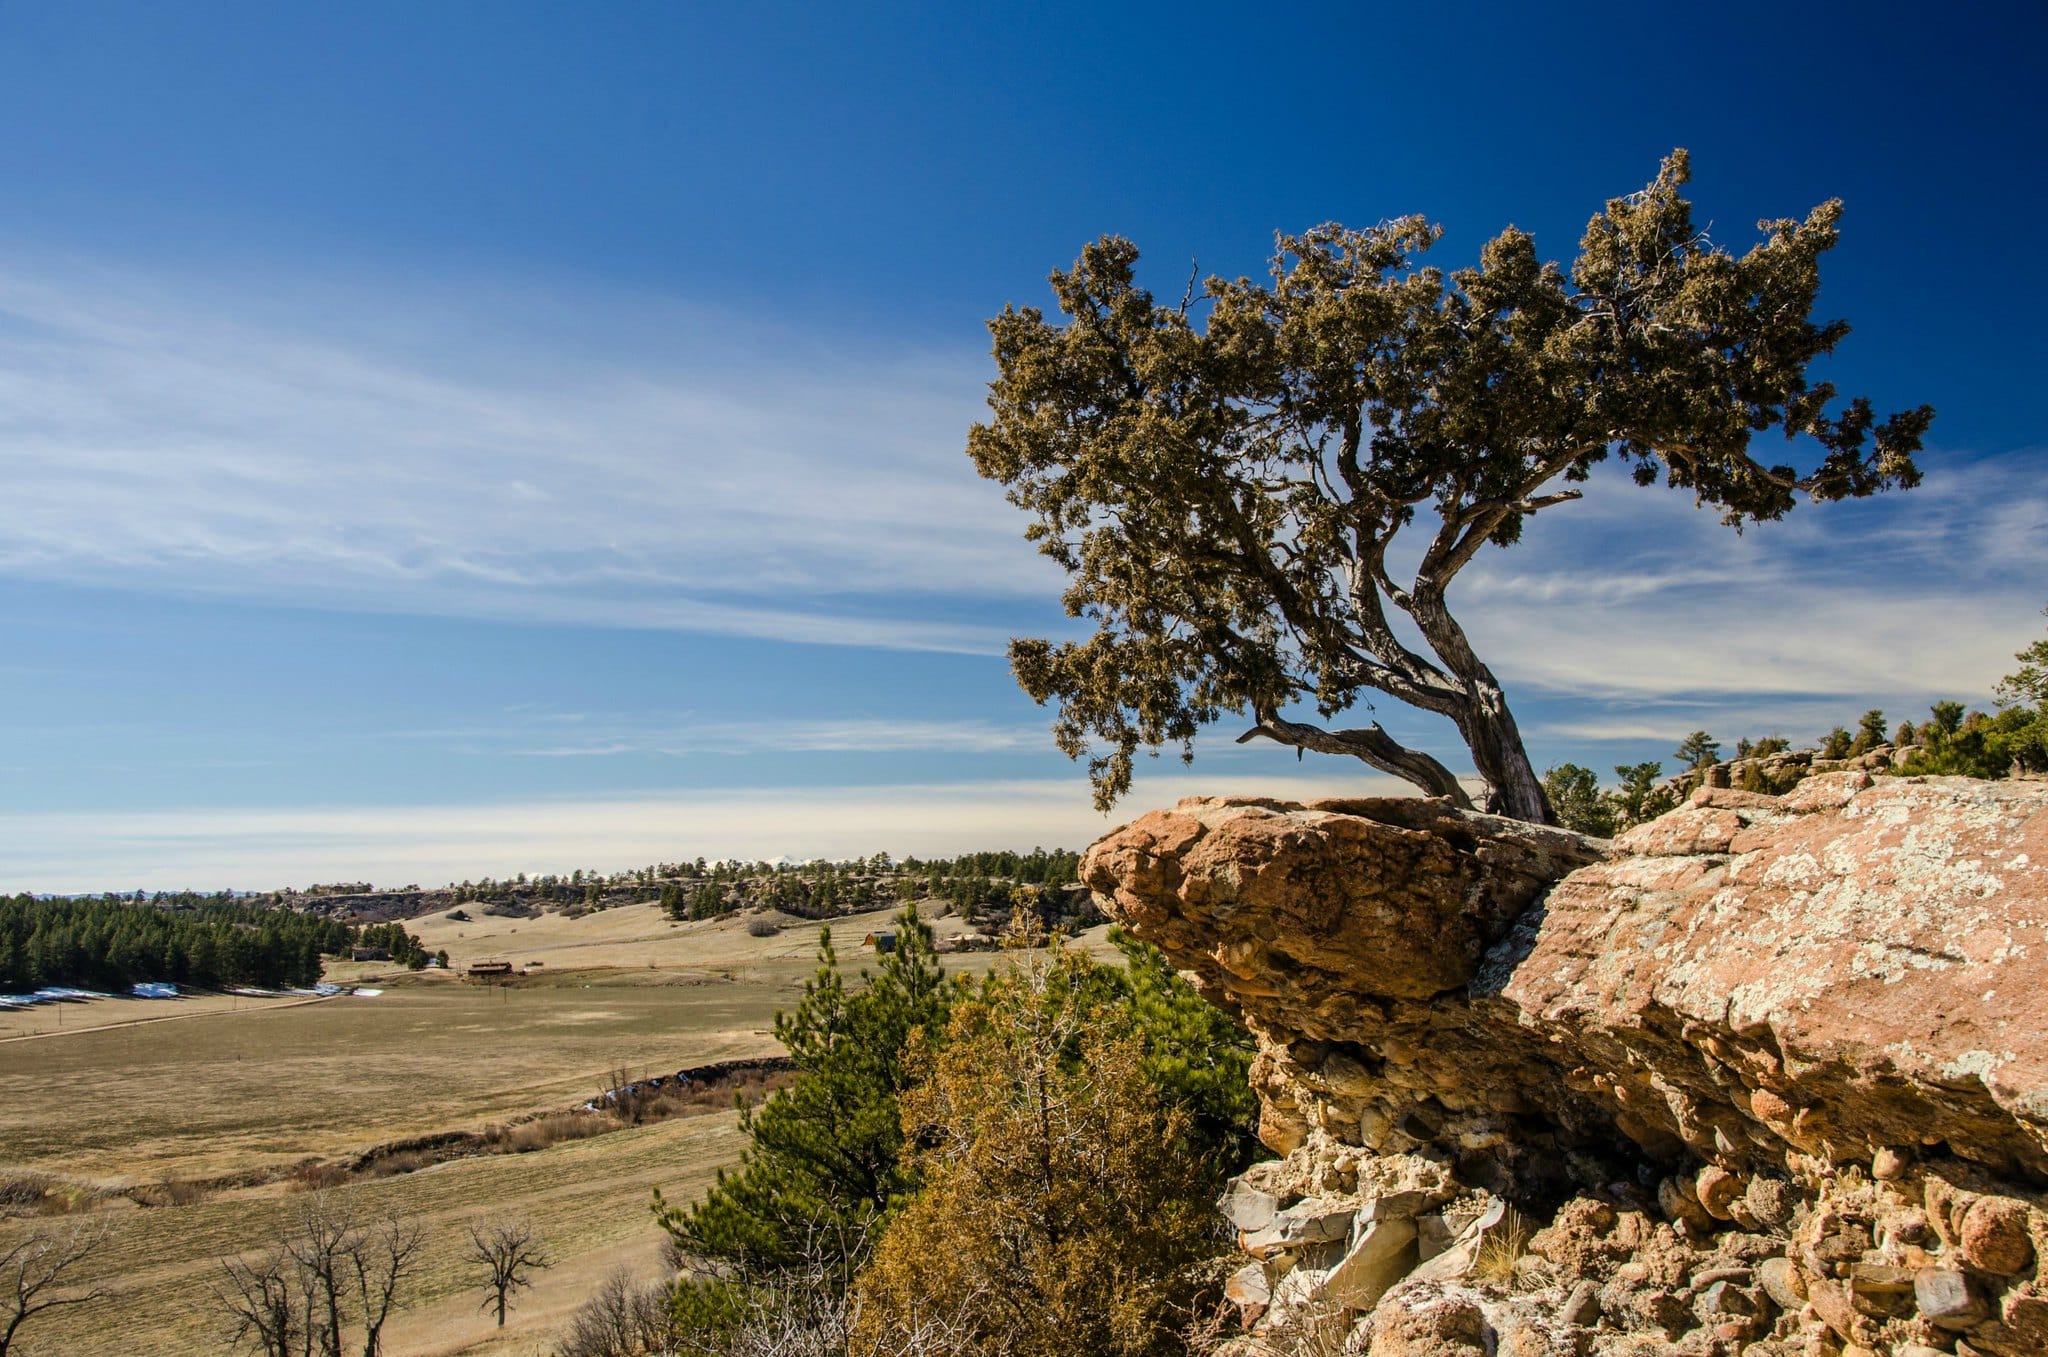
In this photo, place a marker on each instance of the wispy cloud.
(683, 737)
(1635, 595)
(261, 848)
(558, 458)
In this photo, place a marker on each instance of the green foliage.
(111, 942)
(1224, 481)
(1639, 798)
(1064, 1194)
(1870, 732)
(829, 1175)
(2029, 682)
(402, 946)
(1976, 745)
(1698, 750)
(707, 901)
(1195, 1057)
(1576, 799)
(1837, 744)
(824, 1161)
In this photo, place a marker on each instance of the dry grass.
(589, 1199)
(216, 1111)
(230, 1093)
(1502, 1247)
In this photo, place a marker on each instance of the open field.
(131, 1093)
(226, 1090)
(588, 1197)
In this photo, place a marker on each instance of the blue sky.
(458, 439)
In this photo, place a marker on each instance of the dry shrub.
(623, 1319)
(169, 1192)
(315, 1175)
(553, 1129)
(24, 1190)
(404, 1161)
(761, 926)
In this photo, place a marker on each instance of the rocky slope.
(1767, 1075)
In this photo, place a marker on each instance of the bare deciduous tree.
(38, 1273)
(266, 1299)
(335, 1270)
(505, 1257)
(621, 1319)
(384, 1258)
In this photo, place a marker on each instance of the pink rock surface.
(1860, 964)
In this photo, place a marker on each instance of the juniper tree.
(1229, 490)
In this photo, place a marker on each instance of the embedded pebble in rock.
(1582, 1307)
(1947, 1300)
(1994, 1236)
(1782, 1280)
(1717, 1190)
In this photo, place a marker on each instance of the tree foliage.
(824, 1159)
(1576, 800)
(110, 942)
(2029, 682)
(1698, 750)
(1065, 1193)
(1229, 498)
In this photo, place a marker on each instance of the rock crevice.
(1769, 1041)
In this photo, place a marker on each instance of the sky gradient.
(451, 440)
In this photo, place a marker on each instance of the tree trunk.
(1512, 787)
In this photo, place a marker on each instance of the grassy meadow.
(238, 1093)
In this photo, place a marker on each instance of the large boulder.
(1765, 1048)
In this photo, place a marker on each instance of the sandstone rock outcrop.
(1767, 1074)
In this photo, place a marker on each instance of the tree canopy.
(1228, 484)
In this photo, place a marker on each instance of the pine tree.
(824, 1166)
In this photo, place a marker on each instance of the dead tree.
(38, 1274)
(383, 1259)
(300, 1298)
(505, 1258)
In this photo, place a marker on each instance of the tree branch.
(1373, 745)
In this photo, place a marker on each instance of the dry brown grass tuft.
(554, 1129)
(1502, 1247)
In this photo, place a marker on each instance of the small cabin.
(883, 943)
(369, 954)
(489, 970)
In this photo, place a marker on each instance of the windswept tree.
(1229, 491)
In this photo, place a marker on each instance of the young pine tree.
(824, 1167)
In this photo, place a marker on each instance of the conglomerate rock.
(1767, 1074)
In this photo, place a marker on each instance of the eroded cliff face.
(1769, 1074)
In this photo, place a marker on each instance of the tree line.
(1953, 741)
(208, 941)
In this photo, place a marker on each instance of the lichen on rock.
(1766, 1075)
